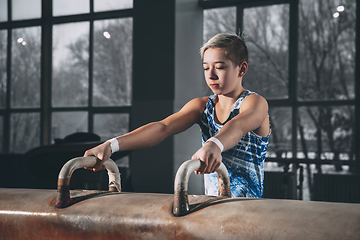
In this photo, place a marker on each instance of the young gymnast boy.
(234, 123)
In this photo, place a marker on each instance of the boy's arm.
(153, 133)
(253, 116)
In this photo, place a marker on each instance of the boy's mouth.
(214, 85)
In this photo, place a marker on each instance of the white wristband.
(217, 142)
(114, 145)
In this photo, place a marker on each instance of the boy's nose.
(212, 74)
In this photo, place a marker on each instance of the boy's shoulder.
(200, 100)
(252, 100)
(197, 103)
(254, 96)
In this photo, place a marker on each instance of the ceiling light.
(340, 8)
(107, 35)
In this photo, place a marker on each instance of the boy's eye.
(220, 66)
(216, 67)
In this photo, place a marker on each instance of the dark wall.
(153, 90)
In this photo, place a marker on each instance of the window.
(112, 62)
(266, 30)
(25, 67)
(308, 78)
(63, 70)
(70, 71)
(3, 64)
(26, 9)
(3, 11)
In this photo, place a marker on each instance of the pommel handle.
(63, 188)
(181, 201)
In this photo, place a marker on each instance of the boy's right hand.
(210, 155)
(101, 152)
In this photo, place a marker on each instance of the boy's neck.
(227, 101)
(223, 107)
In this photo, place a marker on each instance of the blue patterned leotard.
(244, 162)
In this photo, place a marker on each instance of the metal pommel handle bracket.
(181, 201)
(63, 188)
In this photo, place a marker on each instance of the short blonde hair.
(235, 47)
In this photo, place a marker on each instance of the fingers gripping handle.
(181, 202)
(63, 188)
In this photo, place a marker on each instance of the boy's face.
(221, 75)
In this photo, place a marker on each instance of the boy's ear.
(243, 69)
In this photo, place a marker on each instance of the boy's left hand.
(210, 155)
